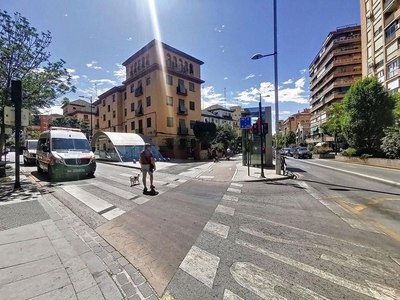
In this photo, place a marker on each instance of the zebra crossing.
(105, 194)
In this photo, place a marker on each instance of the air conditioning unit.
(397, 26)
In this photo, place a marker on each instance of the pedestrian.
(148, 165)
(214, 155)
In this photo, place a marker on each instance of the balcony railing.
(183, 111)
(181, 90)
(183, 131)
(139, 91)
(138, 112)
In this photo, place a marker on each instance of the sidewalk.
(243, 173)
(47, 252)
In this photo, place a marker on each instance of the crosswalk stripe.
(112, 189)
(236, 184)
(230, 198)
(237, 191)
(225, 210)
(228, 295)
(113, 213)
(201, 265)
(87, 198)
(140, 200)
(217, 229)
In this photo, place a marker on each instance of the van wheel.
(51, 175)
(91, 175)
(39, 169)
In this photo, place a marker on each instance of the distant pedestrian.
(148, 165)
(214, 155)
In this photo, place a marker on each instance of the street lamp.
(261, 130)
(91, 115)
(275, 54)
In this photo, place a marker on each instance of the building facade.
(380, 24)
(336, 67)
(160, 98)
(236, 115)
(218, 114)
(291, 123)
(81, 110)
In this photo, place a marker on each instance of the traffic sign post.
(245, 123)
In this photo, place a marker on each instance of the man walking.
(148, 165)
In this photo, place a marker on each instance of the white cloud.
(249, 76)
(120, 74)
(225, 78)
(289, 81)
(303, 71)
(103, 81)
(66, 15)
(75, 77)
(56, 109)
(129, 39)
(92, 65)
(209, 97)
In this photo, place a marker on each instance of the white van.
(29, 152)
(64, 151)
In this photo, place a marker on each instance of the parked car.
(288, 152)
(302, 152)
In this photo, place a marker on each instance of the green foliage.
(225, 135)
(364, 157)
(333, 125)
(70, 122)
(349, 152)
(204, 132)
(368, 110)
(396, 110)
(322, 150)
(391, 144)
(169, 143)
(311, 147)
(288, 139)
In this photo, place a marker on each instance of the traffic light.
(265, 128)
(255, 129)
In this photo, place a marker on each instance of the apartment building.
(380, 24)
(81, 110)
(236, 115)
(335, 68)
(291, 123)
(217, 114)
(160, 98)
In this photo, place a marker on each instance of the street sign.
(245, 123)
(9, 116)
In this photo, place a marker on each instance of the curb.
(357, 174)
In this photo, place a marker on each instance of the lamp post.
(261, 137)
(91, 114)
(275, 54)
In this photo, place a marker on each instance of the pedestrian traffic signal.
(255, 129)
(263, 149)
(265, 128)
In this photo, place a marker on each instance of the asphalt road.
(310, 238)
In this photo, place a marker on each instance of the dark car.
(302, 152)
(288, 152)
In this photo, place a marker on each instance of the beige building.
(236, 115)
(81, 110)
(160, 98)
(380, 24)
(336, 67)
(291, 123)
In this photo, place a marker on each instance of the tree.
(397, 110)
(204, 132)
(333, 125)
(225, 135)
(23, 56)
(65, 101)
(391, 144)
(288, 139)
(70, 122)
(368, 110)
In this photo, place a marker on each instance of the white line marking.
(201, 264)
(88, 199)
(396, 260)
(237, 191)
(314, 271)
(114, 190)
(361, 225)
(217, 229)
(113, 213)
(206, 177)
(263, 283)
(233, 177)
(230, 198)
(225, 210)
(140, 200)
(236, 184)
(228, 295)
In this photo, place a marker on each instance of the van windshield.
(60, 144)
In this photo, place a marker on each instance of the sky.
(95, 37)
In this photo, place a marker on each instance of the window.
(133, 125)
(191, 105)
(86, 117)
(169, 80)
(108, 108)
(191, 86)
(114, 129)
(192, 124)
(126, 128)
(125, 112)
(132, 106)
(124, 95)
(141, 126)
(113, 113)
(148, 81)
(170, 101)
(392, 68)
(132, 89)
(148, 101)
(148, 122)
(104, 117)
(191, 68)
(104, 103)
(109, 123)
(113, 97)
(170, 122)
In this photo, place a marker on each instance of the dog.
(135, 179)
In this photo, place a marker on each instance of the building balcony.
(139, 91)
(181, 90)
(342, 40)
(138, 112)
(182, 111)
(183, 131)
(389, 6)
(227, 117)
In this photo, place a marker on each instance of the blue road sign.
(245, 123)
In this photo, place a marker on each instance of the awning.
(314, 129)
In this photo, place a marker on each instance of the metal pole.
(277, 157)
(16, 97)
(260, 129)
(91, 118)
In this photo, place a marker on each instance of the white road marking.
(225, 210)
(140, 200)
(86, 198)
(115, 190)
(396, 260)
(116, 212)
(236, 184)
(263, 283)
(206, 177)
(361, 225)
(230, 198)
(371, 292)
(228, 295)
(217, 229)
(357, 262)
(389, 293)
(201, 264)
(237, 191)
(233, 177)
